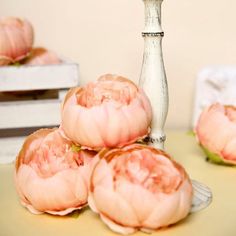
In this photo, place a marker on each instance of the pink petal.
(102, 175)
(229, 152)
(64, 212)
(92, 204)
(170, 208)
(64, 190)
(4, 60)
(41, 56)
(137, 196)
(31, 208)
(114, 206)
(116, 227)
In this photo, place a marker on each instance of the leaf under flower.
(213, 157)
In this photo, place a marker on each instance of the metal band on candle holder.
(150, 34)
(152, 140)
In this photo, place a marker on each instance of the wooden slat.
(18, 78)
(29, 113)
(28, 95)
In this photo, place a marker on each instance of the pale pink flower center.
(54, 155)
(95, 94)
(154, 172)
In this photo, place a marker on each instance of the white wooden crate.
(31, 113)
(214, 84)
(46, 86)
(32, 77)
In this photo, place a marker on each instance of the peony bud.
(16, 39)
(52, 174)
(216, 133)
(112, 112)
(139, 188)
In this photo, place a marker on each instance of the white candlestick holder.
(153, 76)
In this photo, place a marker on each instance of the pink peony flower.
(51, 174)
(112, 112)
(139, 187)
(41, 56)
(16, 39)
(216, 133)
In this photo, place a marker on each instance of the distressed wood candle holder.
(153, 76)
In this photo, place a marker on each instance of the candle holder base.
(202, 196)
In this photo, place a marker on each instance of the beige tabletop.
(219, 219)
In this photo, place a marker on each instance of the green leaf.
(214, 157)
(16, 64)
(75, 214)
(191, 133)
(75, 148)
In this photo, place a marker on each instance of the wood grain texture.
(153, 76)
(18, 78)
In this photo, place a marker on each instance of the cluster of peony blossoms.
(216, 133)
(93, 158)
(16, 40)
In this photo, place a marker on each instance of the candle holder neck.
(152, 16)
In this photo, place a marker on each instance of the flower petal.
(116, 227)
(229, 152)
(60, 189)
(115, 207)
(170, 208)
(137, 196)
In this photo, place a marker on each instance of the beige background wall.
(104, 36)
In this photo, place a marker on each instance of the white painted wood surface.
(31, 77)
(29, 113)
(153, 77)
(152, 16)
(214, 84)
